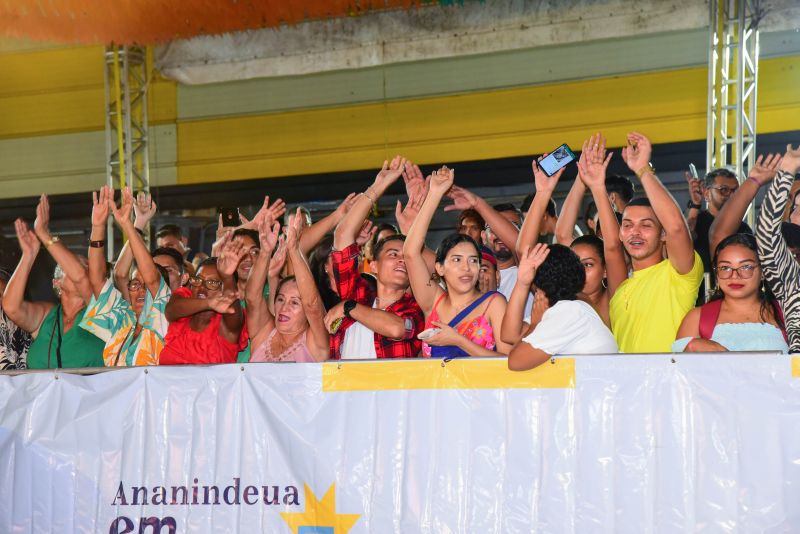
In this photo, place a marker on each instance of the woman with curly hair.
(560, 322)
(742, 314)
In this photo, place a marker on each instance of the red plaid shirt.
(353, 287)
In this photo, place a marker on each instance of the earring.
(604, 283)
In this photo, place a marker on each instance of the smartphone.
(557, 159)
(429, 333)
(693, 170)
(230, 216)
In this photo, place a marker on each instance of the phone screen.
(230, 216)
(557, 159)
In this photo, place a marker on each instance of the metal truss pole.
(127, 158)
(732, 87)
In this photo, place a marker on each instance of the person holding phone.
(465, 318)
(603, 259)
(648, 307)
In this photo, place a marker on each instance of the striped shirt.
(778, 264)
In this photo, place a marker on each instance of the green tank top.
(78, 347)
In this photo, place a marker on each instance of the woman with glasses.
(132, 328)
(742, 315)
(206, 318)
(296, 331)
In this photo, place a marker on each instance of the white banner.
(593, 444)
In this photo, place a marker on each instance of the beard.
(502, 254)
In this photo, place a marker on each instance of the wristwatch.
(52, 241)
(349, 305)
(97, 244)
(692, 205)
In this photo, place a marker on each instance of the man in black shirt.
(719, 186)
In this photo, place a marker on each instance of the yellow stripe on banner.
(433, 374)
(796, 366)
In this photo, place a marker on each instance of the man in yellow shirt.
(647, 308)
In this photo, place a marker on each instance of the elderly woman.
(133, 329)
(56, 341)
(296, 331)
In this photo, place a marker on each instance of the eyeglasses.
(724, 189)
(134, 285)
(211, 284)
(744, 271)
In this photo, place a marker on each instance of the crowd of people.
(516, 283)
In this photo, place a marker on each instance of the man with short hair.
(171, 236)
(471, 223)
(620, 191)
(647, 308)
(719, 187)
(170, 260)
(489, 275)
(379, 322)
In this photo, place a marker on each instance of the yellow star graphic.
(320, 515)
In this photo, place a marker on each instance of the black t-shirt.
(701, 244)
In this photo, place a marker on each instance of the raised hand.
(765, 170)
(530, 260)
(638, 152)
(294, 231)
(791, 159)
(695, 188)
(41, 226)
(231, 255)
(28, 242)
(390, 172)
(543, 182)
(462, 199)
(367, 231)
(278, 259)
(405, 215)
(143, 209)
(269, 212)
(414, 180)
(122, 214)
(268, 237)
(345, 206)
(223, 303)
(593, 162)
(442, 180)
(100, 206)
